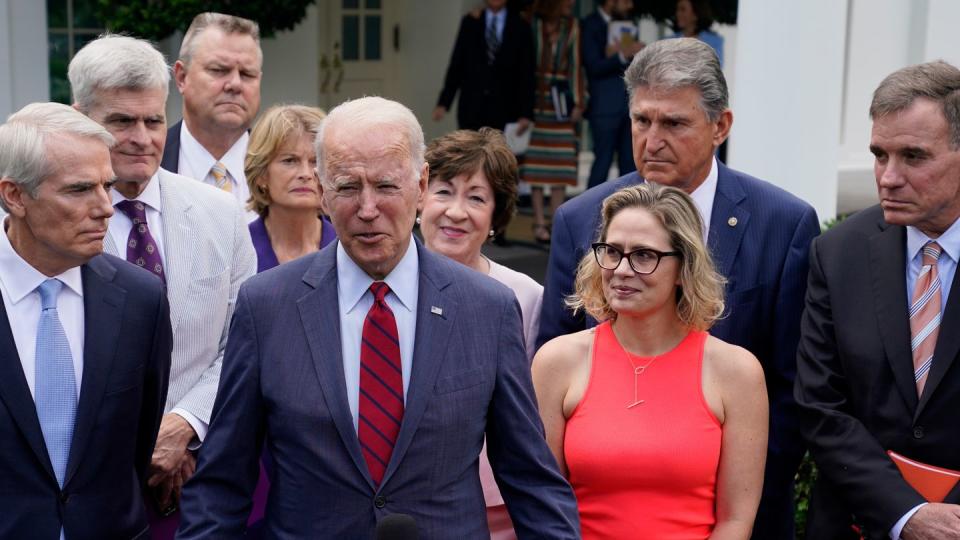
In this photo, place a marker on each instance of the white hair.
(114, 62)
(24, 139)
(374, 113)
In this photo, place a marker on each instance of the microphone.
(397, 527)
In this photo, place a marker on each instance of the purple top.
(266, 258)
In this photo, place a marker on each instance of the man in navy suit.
(758, 234)
(85, 339)
(605, 62)
(373, 370)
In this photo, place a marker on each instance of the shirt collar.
(606, 16)
(150, 196)
(498, 16)
(202, 159)
(20, 278)
(949, 241)
(353, 282)
(704, 194)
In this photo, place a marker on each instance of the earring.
(418, 220)
(492, 233)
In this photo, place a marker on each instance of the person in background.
(758, 235)
(84, 339)
(660, 428)
(551, 158)
(604, 61)
(192, 235)
(218, 73)
(877, 366)
(281, 171)
(693, 19)
(470, 196)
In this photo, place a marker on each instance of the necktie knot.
(219, 173)
(49, 290)
(133, 209)
(931, 253)
(379, 290)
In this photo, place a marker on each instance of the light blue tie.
(55, 391)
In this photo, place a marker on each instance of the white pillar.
(787, 96)
(24, 66)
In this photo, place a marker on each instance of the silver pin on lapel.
(436, 311)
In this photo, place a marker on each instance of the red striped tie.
(925, 314)
(381, 384)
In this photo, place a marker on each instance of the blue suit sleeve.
(556, 319)
(216, 502)
(540, 501)
(154, 388)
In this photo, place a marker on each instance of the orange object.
(934, 483)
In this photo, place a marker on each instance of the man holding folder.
(880, 335)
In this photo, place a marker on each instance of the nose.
(367, 210)
(888, 173)
(103, 206)
(455, 211)
(139, 134)
(623, 268)
(654, 139)
(232, 82)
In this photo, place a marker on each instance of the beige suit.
(207, 255)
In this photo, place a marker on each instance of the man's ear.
(723, 125)
(422, 184)
(12, 194)
(180, 75)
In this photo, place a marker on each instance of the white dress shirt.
(949, 242)
(196, 162)
(703, 197)
(18, 284)
(354, 298)
(499, 19)
(120, 224)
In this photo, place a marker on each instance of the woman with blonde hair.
(284, 188)
(660, 428)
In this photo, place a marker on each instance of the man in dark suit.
(85, 339)
(758, 235)
(605, 62)
(880, 336)
(492, 66)
(373, 369)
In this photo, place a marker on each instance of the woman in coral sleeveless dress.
(660, 428)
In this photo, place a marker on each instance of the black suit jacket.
(855, 380)
(491, 95)
(171, 150)
(126, 362)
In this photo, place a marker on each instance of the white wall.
(24, 67)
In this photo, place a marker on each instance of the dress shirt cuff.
(898, 526)
(199, 427)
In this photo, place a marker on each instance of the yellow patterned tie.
(219, 172)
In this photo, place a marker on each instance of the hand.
(933, 521)
(523, 124)
(439, 113)
(576, 114)
(172, 464)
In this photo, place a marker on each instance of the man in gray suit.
(191, 235)
(373, 369)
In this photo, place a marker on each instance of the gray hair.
(114, 62)
(937, 81)
(229, 24)
(373, 113)
(25, 136)
(671, 64)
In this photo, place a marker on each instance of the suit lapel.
(177, 245)
(948, 344)
(15, 394)
(103, 314)
(887, 256)
(320, 316)
(728, 221)
(430, 348)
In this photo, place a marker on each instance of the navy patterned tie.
(493, 41)
(141, 247)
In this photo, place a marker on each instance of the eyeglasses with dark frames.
(641, 261)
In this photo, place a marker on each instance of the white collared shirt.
(120, 224)
(355, 299)
(18, 284)
(196, 162)
(703, 197)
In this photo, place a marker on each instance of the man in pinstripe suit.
(192, 235)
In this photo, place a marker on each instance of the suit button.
(64, 497)
(918, 432)
(379, 501)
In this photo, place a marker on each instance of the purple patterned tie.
(141, 247)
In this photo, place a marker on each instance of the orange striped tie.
(925, 314)
(219, 172)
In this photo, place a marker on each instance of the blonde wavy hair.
(278, 125)
(700, 293)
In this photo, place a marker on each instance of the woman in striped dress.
(551, 158)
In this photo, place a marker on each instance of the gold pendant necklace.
(637, 371)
